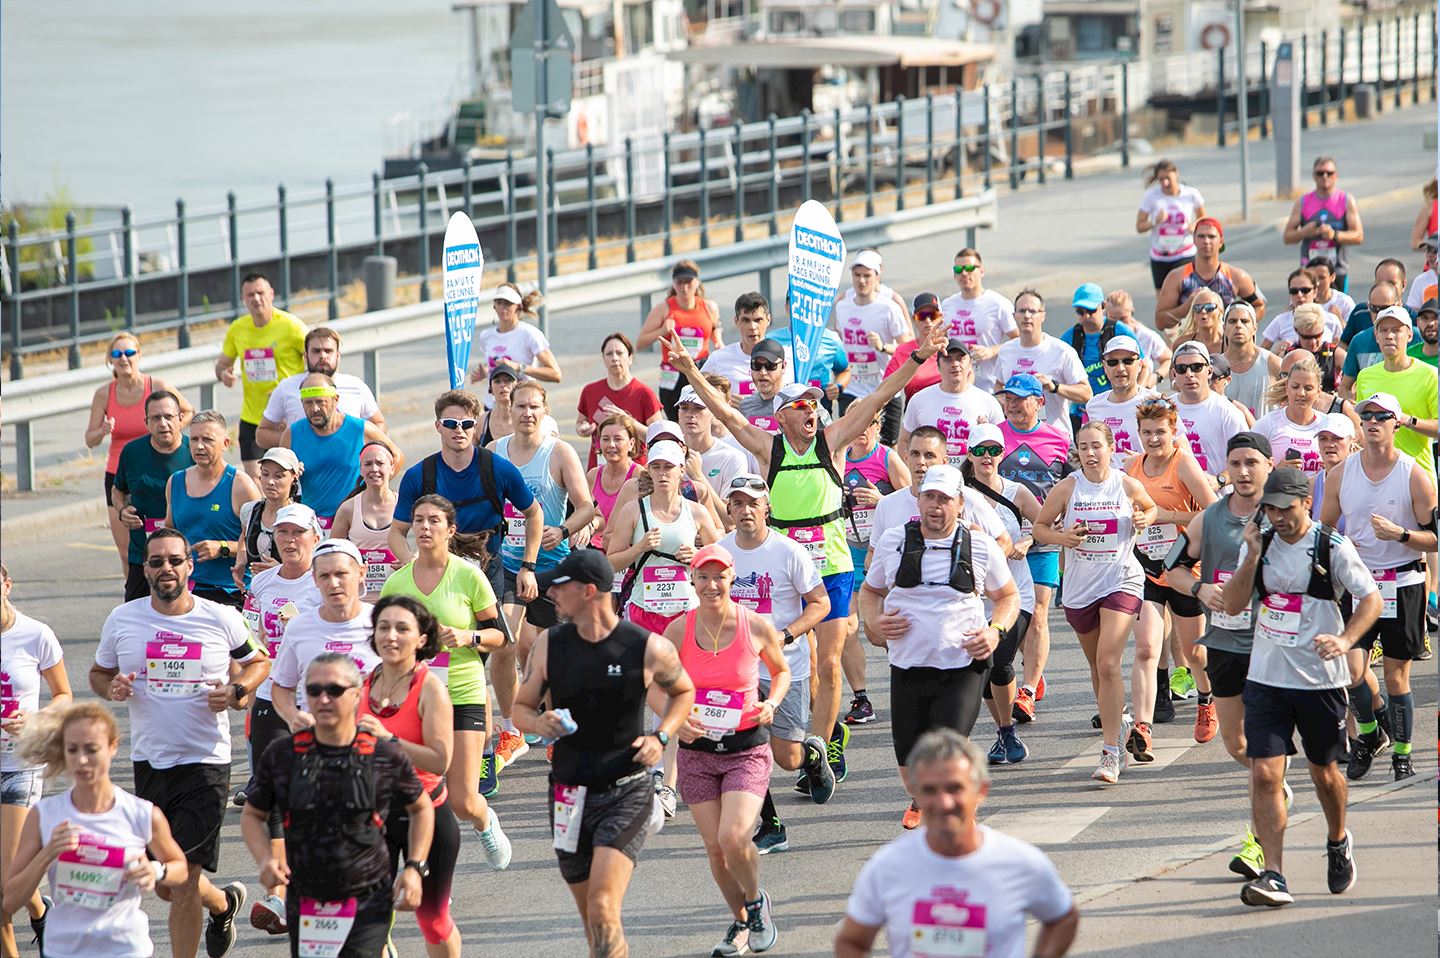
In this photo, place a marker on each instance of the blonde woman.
(1294, 426)
(1202, 321)
(1314, 333)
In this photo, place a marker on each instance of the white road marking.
(1053, 826)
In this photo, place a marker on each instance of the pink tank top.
(374, 546)
(726, 682)
(129, 423)
(605, 501)
(875, 466)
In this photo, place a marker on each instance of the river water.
(143, 101)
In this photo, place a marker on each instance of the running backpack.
(824, 461)
(1321, 585)
(252, 534)
(325, 827)
(962, 560)
(1077, 337)
(490, 491)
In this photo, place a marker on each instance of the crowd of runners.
(1237, 492)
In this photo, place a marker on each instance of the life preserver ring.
(1215, 36)
(986, 11)
(582, 130)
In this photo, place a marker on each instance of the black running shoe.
(1362, 756)
(220, 931)
(1269, 890)
(1402, 767)
(1164, 707)
(37, 925)
(1340, 873)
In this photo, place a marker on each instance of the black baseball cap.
(768, 349)
(1431, 305)
(586, 566)
(1249, 440)
(925, 301)
(1284, 486)
(956, 344)
(684, 271)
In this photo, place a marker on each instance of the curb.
(38, 525)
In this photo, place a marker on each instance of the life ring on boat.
(582, 130)
(986, 11)
(1215, 36)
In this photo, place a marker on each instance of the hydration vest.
(823, 461)
(490, 492)
(323, 827)
(1077, 338)
(962, 564)
(1321, 585)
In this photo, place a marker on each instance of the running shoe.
(1382, 719)
(1287, 793)
(1402, 767)
(508, 749)
(1427, 653)
(532, 739)
(37, 925)
(669, 801)
(1377, 653)
(496, 845)
(1432, 622)
(1125, 718)
(1340, 872)
(1206, 724)
(1362, 756)
(817, 772)
(238, 799)
(1023, 710)
(1040, 689)
(220, 929)
(1139, 743)
(771, 837)
(861, 712)
(1249, 862)
(1269, 890)
(1015, 750)
(550, 754)
(489, 775)
(835, 753)
(802, 784)
(761, 923)
(735, 942)
(1164, 707)
(1182, 684)
(268, 915)
(911, 819)
(1108, 771)
(997, 754)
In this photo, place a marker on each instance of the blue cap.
(1088, 296)
(1023, 384)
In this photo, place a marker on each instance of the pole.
(1244, 109)
(542, 215)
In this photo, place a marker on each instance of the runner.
(954, 405)
(773, 576)
(322, 355)
(618, 392)
(142, 477)
(925, 316)
(335, 785)
(685, 312)
(328, 443)
(29, 652)
(513, 341)
(1293, 427)
(1056, 365)
(956, 886)
(1361, 348)
(118, 412)
(619, 442)
(1427, 324)
(279, 484)
(721, 461)
(63, 836)
(1325, 220)
(1209, 418)
(696, 484)
(499, 419)
(1168, 212)
(768, 373)
(366, 516)
(601, 799)
(1298, 671)
(1017, 508)
(1327, 297)
(202, 502)
(1337, 440)
(458, 594)
(880, 289)
(724, 761)
(270, 344)
(1206, 272)
(1281, 329)
(404, 701)
(923, 602)
(807, 501)
(1120, 308)
(172, 656)
(1116, 406)
(1104, 512)
(752, 320)
(1088, 338)
(1412, 384)
(981, 317)
(1180, 491)
(872, 326)
(1252, 369)
(1388, 505)
(1213, 540)
(1203, 322)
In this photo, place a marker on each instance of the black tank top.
(603, 685)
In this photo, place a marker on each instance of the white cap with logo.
(944, 479)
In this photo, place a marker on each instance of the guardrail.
(32, 400)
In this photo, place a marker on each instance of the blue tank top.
(332, 464)
(208, 517)
(552, 498)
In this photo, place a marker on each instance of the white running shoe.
(762, 924)
(1108, 771)
(496, 845)
(668, 800)
(735, 942)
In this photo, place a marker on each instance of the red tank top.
(727, 681)
(408, 726)
(695, 327)
(129, 423)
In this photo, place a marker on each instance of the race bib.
(1233, 623)
(440, 667)
(324, 926)
(665, 589)
(1102, 541)
(250, 611)
(568, 802)
(9, 706)
(617, 583)
(1280, 619)
(514, 528)
(379, 563)
(1171, 234)
(747, 388)
(173, 666)
(813, 539)
(90, 875)
(1156, 540)
(1389, 591)
(669, 376)
(260, 365)
(947, 928)
(152, 524)
(863, 520)
(718, 711)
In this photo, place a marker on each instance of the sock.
(1164, 678)
(860, 696)
(1030, 689)
(507, 725)
(1204, 698)
(1331, 843)
(1112, 749)
(1402, 720)
(1402, 749)
(768, 815)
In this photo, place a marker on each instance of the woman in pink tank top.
(724, 760)
(619, 438)
(365, 517)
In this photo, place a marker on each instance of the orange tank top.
(726, 682)
(1169, 492)
(405, 723)
(695, 327)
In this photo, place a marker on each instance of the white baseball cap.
(1398, 313)
(983, 433)
(1383, 401)
(747, 484)
(1337, 424)
(1122, 344)
(791, 392)
(663, 427)
(507, 294)
(666, 451)
(869, 259)
(339, 547)
(945, 479)
(297, 514)
(688, 396)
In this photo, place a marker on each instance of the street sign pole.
(1244, 104)
(542, 200)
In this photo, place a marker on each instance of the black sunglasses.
(759, 365)
(1375, 308)
(465, 424)
(1381, 416)
(741, 482)
(1112, 363)
(1189, 367)
(160, 562)
(330, 689)
(1206, 307)
(1300, 290)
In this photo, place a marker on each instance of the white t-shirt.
(1342, 300)
(1152, 344)
(733, 363)
(854, 323)
(1120, 417)
(356, 399)
(28, 648)
(1173, 216)
(1208, 427)
(307, 635)
(940, 615)
(770, 580)
(954, 414)
(177, 660)
(1285, 435)
(1054, 358)
(1416, 297)
(1281, 329)
(986, 320)
(520, 346)
(269, 593)
(901, 506)
(930, 904)
(722, 462)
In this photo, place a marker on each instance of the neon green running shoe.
(1249, 862)
(1182, 684)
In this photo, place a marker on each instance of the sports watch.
(421, 866)
(663, 736)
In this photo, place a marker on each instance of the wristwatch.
(1054, 387)
(787, 635)
(224, 550)
(916, 357)
(1195, 589)
(421, 866)
(527, 565)
(663, 736)
(240, 692)
(1404, 535)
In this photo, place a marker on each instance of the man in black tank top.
(600, 778)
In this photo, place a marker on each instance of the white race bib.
(260, 365)
(173, 666)
(1102, 541)
(813, 539)
(324, 926)
(440, 667)
(665, 589)
(569, 805)
(1233, 623)
(718, 710)
(863, 518)
(1389, 591)
(947, 928)
(379, 563)
(514, 528)
(90, 875)
(1156, 540)
(1280, 619)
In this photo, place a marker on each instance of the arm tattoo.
(668, 670)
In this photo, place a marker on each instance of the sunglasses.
(992, 451)
(968, 268)
(760, 366)
(127, 353)
(1382, 416)
(465, 424)
(1375, 308)
(331, 690)
(1081, 311)
(1315, 335)
(741, 482)
(1324, 172)
(1189, 367)
(808, 405)
(1206, 307)
(1112, 363)
(1301, 290)
(160, 562)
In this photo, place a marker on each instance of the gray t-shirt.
(1288, 621)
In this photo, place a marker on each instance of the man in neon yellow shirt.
(1408, 380)
(271, 346)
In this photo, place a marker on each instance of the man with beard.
(322, 355)
(1427, 324)
(169, 656)
(328, 443)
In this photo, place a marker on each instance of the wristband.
(1195, 589)
(160, 869)
(1404, 535)
(916, 357)
(528, 565)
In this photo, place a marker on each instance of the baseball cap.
(663, 427)
(586, 566)
(1430, 241)
(1431, 305)
(924, 302)
(505, 367)
(1285, 485)
(1397, 313)
(1219, 367)
(768, 349)
(687, 395)
(508, 294)
(1337, 424)
(1211, 221)
(1249, 440)
(282, 457)
(1192, 346)
(666, 451)
(956, 344)
(790, 392)
(1383, 401)
(944, 479)
(869, 259)
(1122, 344)
(985, 432)
(747, 484)
(1023, 384)
(1088, 296)
(339, 547)
(297, 514)
(714, 552)
(684, 271)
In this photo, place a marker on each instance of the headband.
(317, 392)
